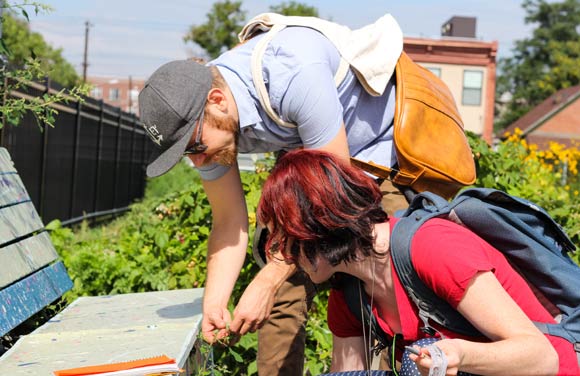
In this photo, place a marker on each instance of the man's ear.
(217, 98)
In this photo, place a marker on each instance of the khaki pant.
(281, 339)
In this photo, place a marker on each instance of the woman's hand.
(450, 347)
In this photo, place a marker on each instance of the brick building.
(555, 119)
(118, 92)
(466, 65)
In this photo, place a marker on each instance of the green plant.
(34, 61)
(318, 351)
(41, 107)
(225, 348)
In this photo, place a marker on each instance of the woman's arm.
(517, 347)
(348, 354)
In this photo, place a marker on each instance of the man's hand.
(214, 325)
(257, 301)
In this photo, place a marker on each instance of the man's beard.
(226, 157)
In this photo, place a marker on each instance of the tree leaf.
(4, 50)
(161, 239)
(236, 356)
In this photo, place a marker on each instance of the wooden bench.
(91, 330)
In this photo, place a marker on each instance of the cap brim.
(163, 161)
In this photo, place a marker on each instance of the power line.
(135, 23)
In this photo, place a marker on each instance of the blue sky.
(134, 37)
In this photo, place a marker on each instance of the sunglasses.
(197, 147)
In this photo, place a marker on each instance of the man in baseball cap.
(210, 112)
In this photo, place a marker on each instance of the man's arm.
(257, 301)
(338, 145)
(227, 247)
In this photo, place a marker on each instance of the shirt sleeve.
(212, 171)
(447, 256)
(341, 321)
(311, 102)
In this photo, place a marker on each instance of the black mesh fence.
(93, 160)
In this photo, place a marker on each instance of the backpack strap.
(558, 330)
(425, 205)
(258, 78)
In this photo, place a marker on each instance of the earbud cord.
(364, 333)
(369, 335)
(371, 305)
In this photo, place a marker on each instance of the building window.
(114, 94)
(435, 71)
(97, 92)
(472, 84)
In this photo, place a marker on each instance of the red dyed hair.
(324, 205)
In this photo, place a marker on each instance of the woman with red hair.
(326, 217)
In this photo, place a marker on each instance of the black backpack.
(533, 243)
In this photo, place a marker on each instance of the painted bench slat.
(12, 190)
(28, 296)
(108, 329)
(18, 220)
(6, 164)
(23, 258)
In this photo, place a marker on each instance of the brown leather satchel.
(432, 151)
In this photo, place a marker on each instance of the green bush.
(159, 245)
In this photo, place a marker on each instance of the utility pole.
(130, 92)
(85, 63)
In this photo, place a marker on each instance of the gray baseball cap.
(169, 105)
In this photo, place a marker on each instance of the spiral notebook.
(159, 365)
